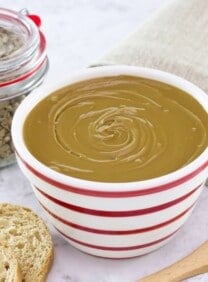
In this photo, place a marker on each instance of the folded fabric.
(174, 40)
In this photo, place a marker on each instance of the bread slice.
(9, 267)
(27, 236)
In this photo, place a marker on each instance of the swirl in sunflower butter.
(117, 129)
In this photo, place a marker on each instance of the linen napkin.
(174, 40)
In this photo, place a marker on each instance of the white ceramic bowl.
(114, 220)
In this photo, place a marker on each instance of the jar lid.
(23, 60)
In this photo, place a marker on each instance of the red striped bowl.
(113, 220)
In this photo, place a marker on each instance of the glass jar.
(23, 66)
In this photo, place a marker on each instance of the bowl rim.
(40, 93)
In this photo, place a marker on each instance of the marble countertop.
(78, 33)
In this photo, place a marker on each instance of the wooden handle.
(194, 264)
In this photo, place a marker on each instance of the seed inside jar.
(7, 109)
(10, 42)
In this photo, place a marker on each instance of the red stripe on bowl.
(116, 232)
(114, 194)
(127, 248)
(105, 213)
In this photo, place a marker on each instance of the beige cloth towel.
(174, 40)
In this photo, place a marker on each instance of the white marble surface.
(78, 32)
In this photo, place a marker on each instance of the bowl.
(113, 220)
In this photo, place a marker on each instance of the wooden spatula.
(194, 264)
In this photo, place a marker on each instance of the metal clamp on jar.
(23, 66)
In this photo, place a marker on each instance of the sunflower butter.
(117, 129)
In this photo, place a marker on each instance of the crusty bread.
(9, 267)
(27, 236)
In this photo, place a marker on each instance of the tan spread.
(117, 129)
